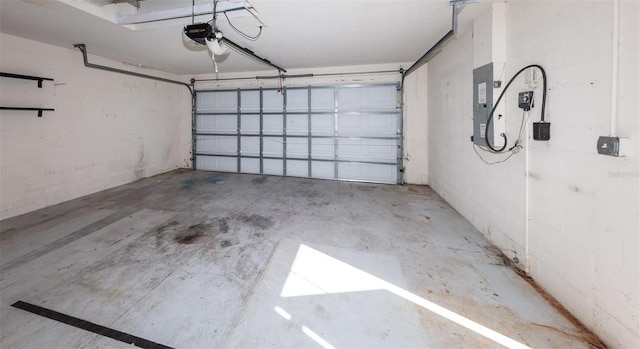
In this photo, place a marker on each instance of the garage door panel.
(322, 148)
(322, 124)
(217, 163)
(297, 147)
(378, 98)
(226, 101)
(273, 167)
(297, 168)
(226, 145)
(272, 124)
(323, 169)
(249, 165)
(322, 99)
(297, 100)
(297, 124)
(217, 123)
(367, 172)
(272, 101)
(368, 124)
(334, 132)
(249, 101)
(250, 123)
(273, 146)
(374, 150)
(250, 146)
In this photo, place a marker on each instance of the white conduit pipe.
(527, 193)
(614, 68)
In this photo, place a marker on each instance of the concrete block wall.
(107, 129)
(416, 127)
(583, 208)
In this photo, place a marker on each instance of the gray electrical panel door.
(482, 103)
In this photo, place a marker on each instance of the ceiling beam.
(145, 17)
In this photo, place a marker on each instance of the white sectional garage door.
(338, 132)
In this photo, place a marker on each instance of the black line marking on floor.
(89, 326)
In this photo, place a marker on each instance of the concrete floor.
(211, 260)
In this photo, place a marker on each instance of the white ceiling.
(299, 33)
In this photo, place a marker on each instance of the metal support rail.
(222, 155)
(261, 132)
(251, 54)
(343, 112)
(219, 134)
(238, 131)
(457, 6)
(400, 131)
(83, 49)
(298, 76)
(193, 124)
(309, 141)
(284, 131)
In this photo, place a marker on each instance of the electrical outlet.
(612, 146)
(525, 100)
(608, 145)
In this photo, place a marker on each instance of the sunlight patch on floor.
(315, 273)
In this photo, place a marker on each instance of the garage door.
(349, 133)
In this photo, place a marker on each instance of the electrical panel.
(483, 91)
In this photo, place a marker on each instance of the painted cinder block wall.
(416, 127)
(107, 129)
(583, 208)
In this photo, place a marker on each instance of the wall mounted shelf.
(40, 110)
(27, 77)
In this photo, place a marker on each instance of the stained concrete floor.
(211, 260)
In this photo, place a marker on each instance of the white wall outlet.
(613, 146)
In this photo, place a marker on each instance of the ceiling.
(298, 33)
